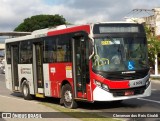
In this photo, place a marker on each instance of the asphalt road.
(148, 104)
(13, 105)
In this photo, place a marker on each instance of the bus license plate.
(129, 93)
(137, 83)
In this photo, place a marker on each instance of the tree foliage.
(40, 22)
(153, 45)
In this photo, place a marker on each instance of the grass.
(75, 113)
(155, 78)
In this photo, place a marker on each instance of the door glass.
(39, 66)
(15, 65)
(81, 58)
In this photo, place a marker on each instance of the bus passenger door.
(38, 69)
(80, 65)
(14, 66)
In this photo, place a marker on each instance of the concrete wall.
(2, 46)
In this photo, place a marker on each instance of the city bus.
(105, 61)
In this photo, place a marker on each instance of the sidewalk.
(11, 104)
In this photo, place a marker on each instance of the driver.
(116, 59)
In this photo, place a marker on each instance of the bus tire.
(67, 97)
(26, 91)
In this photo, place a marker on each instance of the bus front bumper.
(101, 95)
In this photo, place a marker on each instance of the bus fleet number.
(138, 83)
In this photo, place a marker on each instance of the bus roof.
(61, 29)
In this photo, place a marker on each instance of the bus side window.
(26, 52)
(8, 53)
(49, 54)
(54, 56)
(63, 49)
(60, 54)
(57, 49)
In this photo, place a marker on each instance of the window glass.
(49, 49)
(63, 49)
(8, 53)
(120, 54)
(57, 49)
(26, 52)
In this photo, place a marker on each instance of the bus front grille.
(122, 92)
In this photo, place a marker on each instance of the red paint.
(112, 84)
(81, 95)
(89, 86)
(85, 28)
(123, 84)
(57, 73)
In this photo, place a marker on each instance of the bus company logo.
(25, 70)
(128, 72)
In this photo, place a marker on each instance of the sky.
(13, 12)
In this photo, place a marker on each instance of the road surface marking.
(149, 100)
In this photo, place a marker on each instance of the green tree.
(40, 22)
(153, 45)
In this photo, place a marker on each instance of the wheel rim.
(68, 96)
(25, 90)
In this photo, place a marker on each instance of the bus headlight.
(101, 85)
(105, 87)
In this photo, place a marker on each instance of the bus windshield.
(120, 54)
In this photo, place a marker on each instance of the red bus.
(94, 62)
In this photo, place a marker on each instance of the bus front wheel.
(67, 97)
(26, 91)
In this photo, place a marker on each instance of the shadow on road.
(127, 104)
(19, 95)
(84, 105)
(105, 105)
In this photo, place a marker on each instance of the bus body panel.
(85, 28)
(59, 72)
(8, 77)
(25, 72)
(89, 91)
(119, 84)
(122, 86)
(112, 84)
(101, 95)
(47, 82)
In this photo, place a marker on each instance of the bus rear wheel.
(26, 91)
(67, 97)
